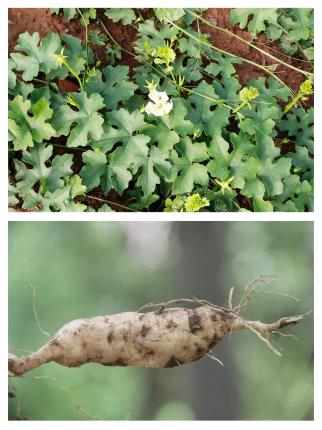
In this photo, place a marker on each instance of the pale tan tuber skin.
(162, 339)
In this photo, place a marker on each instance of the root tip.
(286, 321)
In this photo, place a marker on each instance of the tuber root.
(165, 338)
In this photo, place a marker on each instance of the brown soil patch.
(40, 20)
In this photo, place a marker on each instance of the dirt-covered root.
(166, 338)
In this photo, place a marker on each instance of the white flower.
(160, 106)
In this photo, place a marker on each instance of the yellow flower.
(151, 86)
(195, 202)
(61, 58)
(225, 185)
(164, 55)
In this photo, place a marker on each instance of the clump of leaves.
(178, 133)
(293, 28)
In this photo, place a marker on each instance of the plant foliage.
(178, 132)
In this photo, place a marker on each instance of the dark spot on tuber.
(221, 315)
(11, 362)
(215, 339)
(194, 321)
(125, 337)
(148, 352)
(161, 311)
(213, 316)
(200, 351)
(141, 317)
(119, 362)
(54, 342)
(173, 362)
(144, 331)
(110, 336)
(171, 325)
(164, 312)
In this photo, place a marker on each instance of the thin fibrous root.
(194, 301)
(34, 308)
(263, 330)
(250, 289)
(215, 358)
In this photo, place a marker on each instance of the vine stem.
(72, 71)
(86, 36)
(131, 53)
(110, 202)
(215, 48)
(217, 101)
(40, 81)
(67, 147)
(262, 51)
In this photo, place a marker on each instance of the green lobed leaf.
(302, 160)
(93, 169)
(260, 18)
(298, 22)
(12, 195)
(176, 120)
(85, 121)
(156, 161)
(33, 169)
(57, 201)
(186, 168)
(25, 129)
(299, 123)
(77, 57)
(222, 65)
(204, 111)
(115, 88)
(38, 55)
(190, 69)
(126, 16)
(12, 79)
(261, 205)
(273, 173)
(172, 14)
(163, 136)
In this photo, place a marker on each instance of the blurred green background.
(83, 269)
